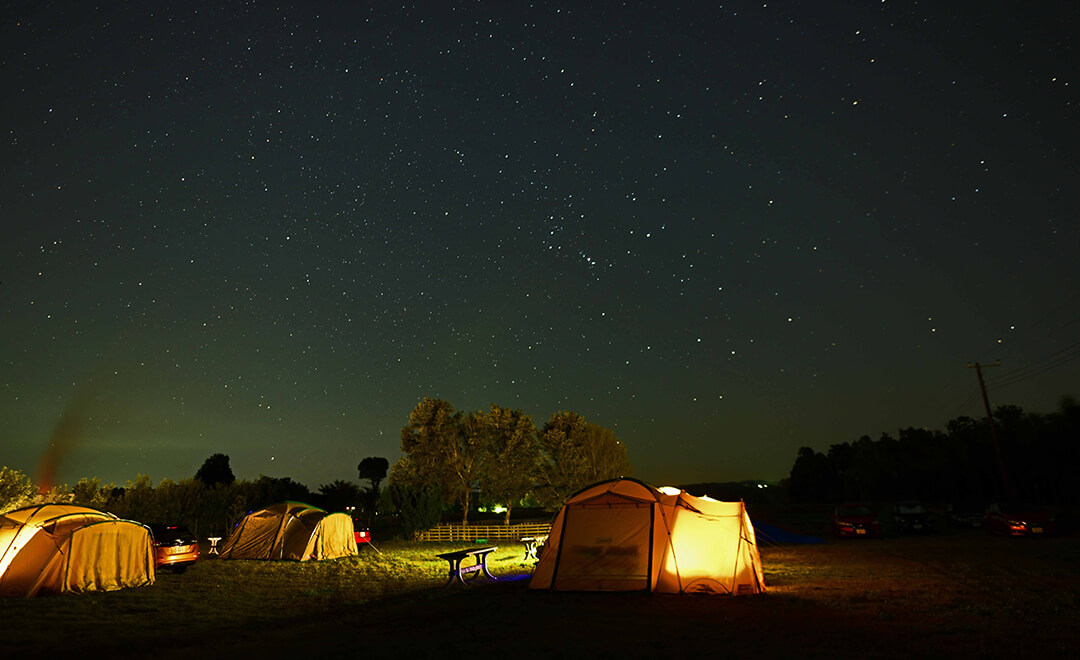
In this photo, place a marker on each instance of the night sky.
(725, 230)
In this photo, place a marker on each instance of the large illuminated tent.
(61, 548)
(625, 535)
(291, 530)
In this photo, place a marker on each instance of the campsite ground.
(949, 595)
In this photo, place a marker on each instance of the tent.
(291, 530)
(625, 535)
(61, 548)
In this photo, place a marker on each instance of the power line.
(1040, 366)
(1027, 336)
(1032, 335)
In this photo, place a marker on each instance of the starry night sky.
(723, 230)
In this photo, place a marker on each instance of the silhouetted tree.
(340, 495)
(509, 456)
(812, 479)
(575, 454)
(181, 502)
(419, 507)
(373, 469)
(215, 470)
(440, 452)
(273, 490)
(136, 501)
(958, 465)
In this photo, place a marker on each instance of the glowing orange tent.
(62, 548)
(625, 535)
(291, 530)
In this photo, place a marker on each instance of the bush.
(419, 508)
(16, 489)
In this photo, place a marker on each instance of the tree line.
(452, 458)
(499, 457)
(1038, 456)
(211, 502)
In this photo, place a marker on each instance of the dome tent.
(625, 535)
(291, 530)
(63, 548)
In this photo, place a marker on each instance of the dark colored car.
(855, 520)
(174, 547)
(965, 515)
(1019, 519)
(911, 517)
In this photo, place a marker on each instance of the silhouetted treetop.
(215, 470)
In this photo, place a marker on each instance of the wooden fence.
(458, 532)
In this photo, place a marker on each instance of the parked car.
(175, 547)
(965, 515)
(1019, 519)
(911, 517)
(854, 520)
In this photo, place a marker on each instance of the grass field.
(951, 595)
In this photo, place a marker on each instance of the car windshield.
(852, 511)
(909, 508)
(172, 534)
(1019, 507)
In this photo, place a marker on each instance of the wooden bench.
(533, 545)
(458, 570)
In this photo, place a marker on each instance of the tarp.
(773, 534)
(291, 530)
(61, 548)
(625, 535)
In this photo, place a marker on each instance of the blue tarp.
(774, 534)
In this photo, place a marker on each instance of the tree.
(215, 470)
(575, 454)
(562, 466)
(509, 457)
(136, 501)
(340, 496)
(91, 492)
(272, 490)
(418, 507)
(605, 454)
(16, 489)
(181, 502)
(224, 505)
(811, 478)
(372, 468)
(441, 452)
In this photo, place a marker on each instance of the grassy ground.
(951, 595)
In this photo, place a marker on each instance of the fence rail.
(457, 532)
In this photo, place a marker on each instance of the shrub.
(419, 507)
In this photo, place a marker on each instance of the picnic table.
(533, 545)
(458, 570)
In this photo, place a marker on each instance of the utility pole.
(993, 427)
